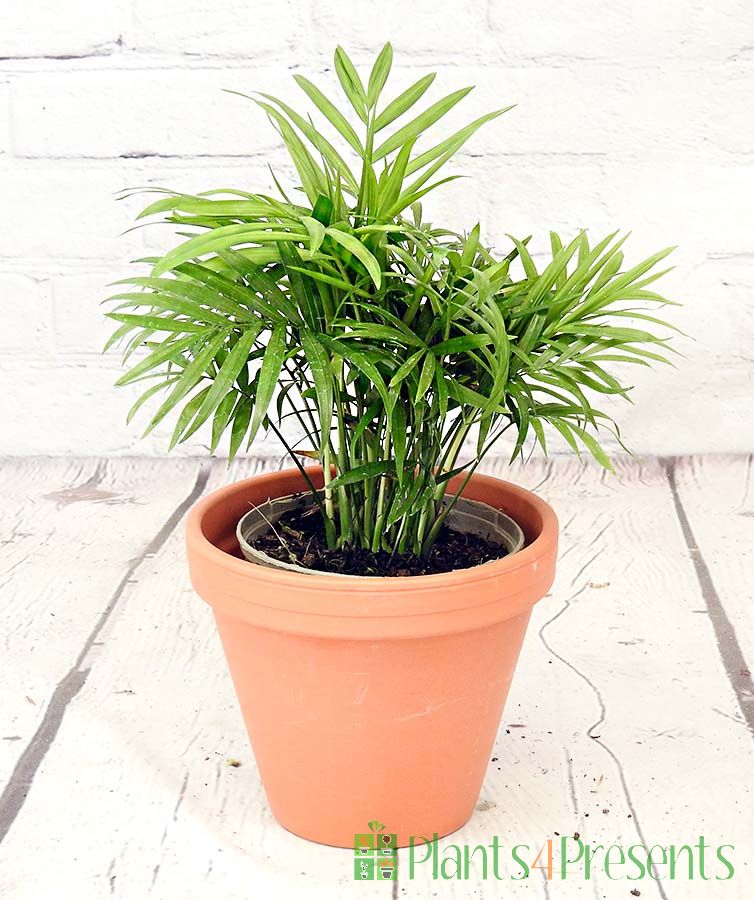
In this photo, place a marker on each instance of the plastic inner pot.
(466, 516)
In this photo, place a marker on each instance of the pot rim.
(542, 545)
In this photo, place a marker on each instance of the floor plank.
(715, 500)
(624, 700)
(70, 532)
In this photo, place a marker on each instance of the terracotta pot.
(370, 698)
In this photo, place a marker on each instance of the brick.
(81, 414)
(39, 28)
(599, 108)
(662, 200)
(670, 200)
(4, 118)
(522, 197)
(26, 317)
(137, 113)
(84, 413)
(79, 324)
(626, 30)
(427, 30)
(234, 29)
(68, 212)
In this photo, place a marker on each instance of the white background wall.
(632, 114)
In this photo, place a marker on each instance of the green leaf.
(319, 363)
(269, 373)
(454, 142)
(363, 473)
(330, 112)
(353, 245)
(390, 191)
(425, 378)
(412, 130)
(193, 297)
(403, 102)
(379, 75)
(117, 336)
(155, 389)
(593, 447)
(229, 371)
(222, 418)
(189, 378)
(351, 83)
(320, 142)
(300, 288)
(461, 344)
(316, 233)
(441, 390)
(565, 430)
(398, 433)
(466, 396)
(187, 413)
(241, 417)
(157, 323)
(221, 239)
(406, 368)
(528, 262)
(363, 363)
(313, 179)
(157, 357)
(276, 300)
(610, 332)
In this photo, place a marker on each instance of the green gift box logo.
(375, 854)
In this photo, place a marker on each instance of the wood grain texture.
(69, 530)
(621, 702)
(714, 498)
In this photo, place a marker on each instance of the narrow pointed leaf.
(351, 83)
(412, 130)
(330, 112)
(354, 245)
(229, 371)
(268, 378)
(222, 418)
(379, 74)
(403, 102)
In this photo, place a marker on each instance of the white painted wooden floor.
(631, 718)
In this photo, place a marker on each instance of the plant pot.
(370, 697)
(468, 516)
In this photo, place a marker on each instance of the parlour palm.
(394, 344)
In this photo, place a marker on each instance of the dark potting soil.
(299, 538)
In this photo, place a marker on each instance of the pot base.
(314, 838)
(351, 731)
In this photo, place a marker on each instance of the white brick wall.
(634, 114)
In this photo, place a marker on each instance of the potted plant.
(373, 641)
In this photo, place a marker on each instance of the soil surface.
(299, 538)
